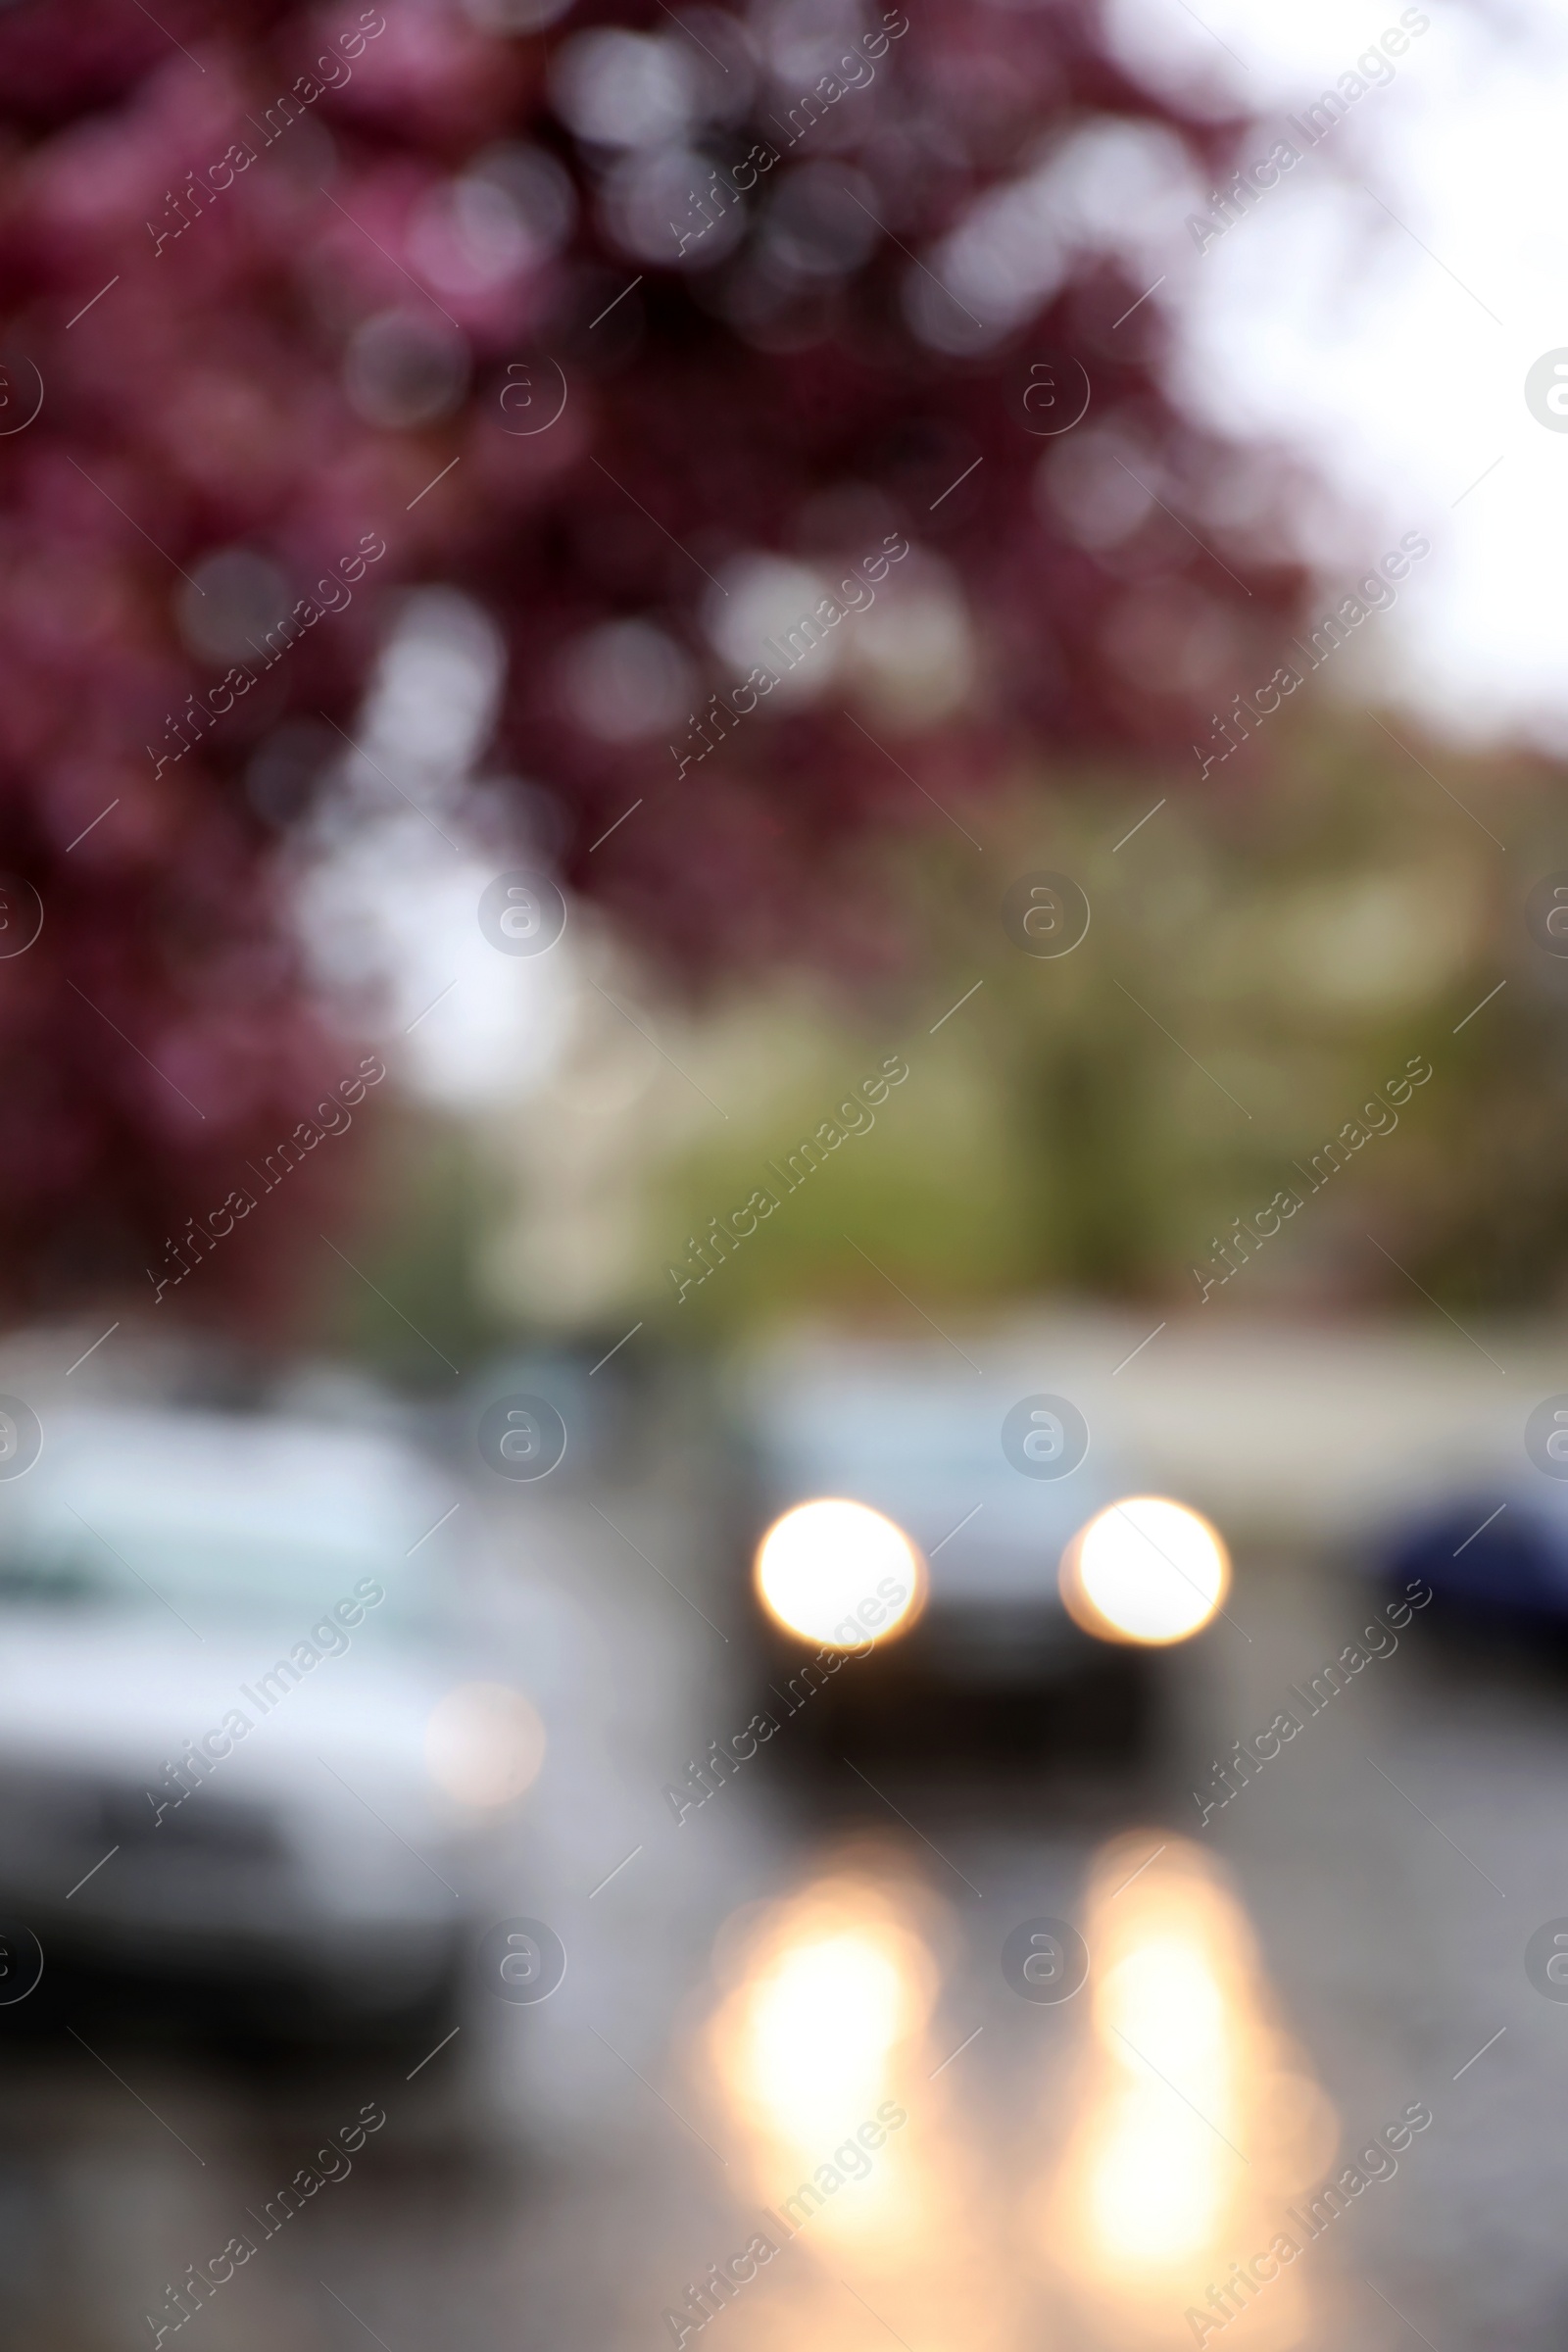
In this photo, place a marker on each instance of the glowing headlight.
(1145, 1570)
(484, 1743)
(839, 1574)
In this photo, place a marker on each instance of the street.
(572, 2170)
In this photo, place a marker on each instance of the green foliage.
(1259, 962)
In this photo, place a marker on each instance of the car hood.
(108, 1692)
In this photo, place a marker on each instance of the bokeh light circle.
(839, 1574)
(484, 1745)
(1145, 1570)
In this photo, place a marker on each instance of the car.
(993, 1662)
(1498, 1555)
(222, 1638)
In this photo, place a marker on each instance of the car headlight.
(839, 1574)
(484, 1743)
(1145, 1570)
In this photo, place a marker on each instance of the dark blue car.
(1503, 1559)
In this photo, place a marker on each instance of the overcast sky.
(1394, 342)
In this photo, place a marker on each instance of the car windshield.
(214, 1528)
(887, 1431)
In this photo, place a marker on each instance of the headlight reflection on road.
(824, 2022)
(836, 1983)
(1164, 2170)
(1197, 2116)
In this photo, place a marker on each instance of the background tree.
(291, 282)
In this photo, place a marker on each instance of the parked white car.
(224, 1641)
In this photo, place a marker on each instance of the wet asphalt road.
(561, 2175)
